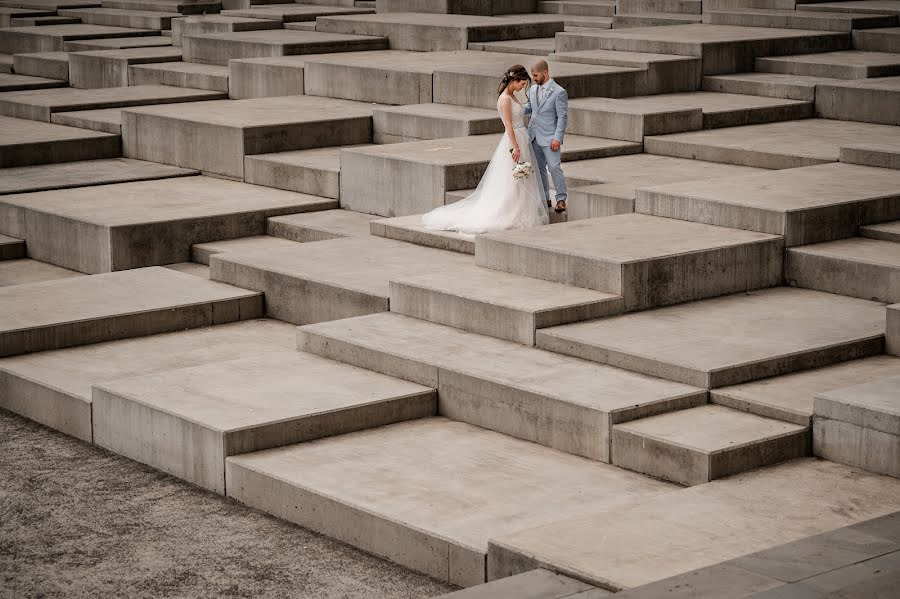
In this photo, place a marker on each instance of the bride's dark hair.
(514, 73)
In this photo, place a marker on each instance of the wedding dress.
(500, 201)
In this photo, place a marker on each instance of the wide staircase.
(213, 263)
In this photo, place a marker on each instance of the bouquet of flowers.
(522, 170)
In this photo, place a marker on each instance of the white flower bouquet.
(523, 170)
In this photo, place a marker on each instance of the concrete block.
(798, 19)
(790, 329)
(433, 121)
(850, 64)
(8, 14)
(878, 7)
(316, 172)
(541, 46)
(585, 8)
(625, 21)
(120, 17)
(203, 24)
(26, 143)
(659, 73)
(707, 581)
(869, 101)
(108, 120)
(11, 248)
(886, 231)
(84, 310)
(266, 77)
(883, 155)
(50, 38)
(84, 173)
(201, 252)
(892, 334)
(38, 21)
(294, 13)
(110, 68)
(411, 230)
(877, 40)
(486, 8)
(772, 85)
(536, 584)
(148, 41)
(185, 7)
(685, 7)
(180, 74)
(12, 83)
(51, 65)
(319, 226)
(24, 270)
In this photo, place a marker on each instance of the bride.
(500, 201)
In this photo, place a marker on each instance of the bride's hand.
(516, 154)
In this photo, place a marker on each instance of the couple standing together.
(501, 201)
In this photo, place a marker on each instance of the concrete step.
(205, 24)
(695, 446)
(144, 223)
(535, 584)
(294, 13)
(435, 167)
(123, 17)
(860, 426)
(377, 481)
(12, 83)
(892, 336)
(8, 14)
(108, 120)
(201, 415)
(483, 8)
(857, 267)
(638, 257)
(791, 329)
(25, 143)
(185, 7)
(38, 21)
(608, 186)
(190, 268)
(303, 284)
(24, 270)
(11, 248)
(849, 64)
(877, 40)
(319, 226)
(790, 397)
(266, 77)
(54, 387)
(495, 303)
(653, 19)
(200, 252)
(539, 396)
(884, 154)
(316, 172)
(805, 205)
(541, 46)
(28, 179)
(659, 73)
(416, 122)
(50, 5)
(790, 144)
(886, 231)
(411, 230)
(83, 310)
(868, 101)
(238, 128)
(632, 119)
(244, 4)
(49, 65)
(6, 63)
(879, 7)
(636, 7)
(219, 48)
(110, 68)
(798, 19)
(771, 85)
(573, 23)
(301, 26)
(807, 493)
(50, 38)
(440, 32)
(589, 8)
(181, 74)
(147, 41)
(723, 48)
(40, 105)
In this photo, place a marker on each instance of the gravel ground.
(77, 521)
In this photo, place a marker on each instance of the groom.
(548, 105)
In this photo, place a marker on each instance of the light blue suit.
(548, 122)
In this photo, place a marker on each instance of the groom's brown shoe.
(560, 207)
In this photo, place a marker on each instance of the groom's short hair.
(540, 66)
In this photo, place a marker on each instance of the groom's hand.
(555, 145)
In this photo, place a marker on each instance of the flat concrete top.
(83, 172)
(7, 240)
(700, 33)
(163, 200)
(891, 84)
(254, 243)
(545, 45)
(793, 189)
(506, 363)
(812, 138)
(799, 13)
(874, 404)
(18, 272)
(619, 176)
(261, 111)
(262, 388)
(294, 12)
(280, 37)
(9, 80)
(631, 237)
(443, 111)
(842, 58)
(449, 21)
(884, 7)
(222, 19)
(618, 57)
(857, 249)
(891, 229)
(70, 98)
(708, 102)
(425, 62)
(51, 56)
(343, 222)
(777, 78)
(707, 524)
(319, 158)
(50, 4)
(15, 132)
(794, 393)
(187, 67)
(118, 11)
(496, 62)
(432, 473)
(119, 42)
(733, 330)
(81, 30)
(38, 305)
(132, 54)
(75, 370)
(111, 116)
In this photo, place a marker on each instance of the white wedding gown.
(500, 201)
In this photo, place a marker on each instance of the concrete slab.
(266, 77)
(216, 23)
(123, 17)
(892, 334)
(411, 230)
(50, 20)
(887, 231)
(772, 85)
(536, 584)
(333, 279)
(10, 82)
(216, 136)
(185, 7)
(790, 397)
(374, 499)
(319, 226)
(83, 173)
(553, 400)
(769, 332)
(858, 267)
(805, 205)
(436, 32)
(316, 172)
(849, 64)
(186, 422)
(695, 446)
(860, 426)
(11, 248)
(108, 120)
(202, 251)
(191, 268)
(416, 122)
(51, 65)
(877, 40)
(695, 528)
(51, 5)
(22, 271)
(723, 48)
(539, 46)
(219, 48)
(109, 68)
(6, 63)
(8, 14)
(40, 104)
(637, 257)
(435, 167)
(704, 582)
(181, 74)
(83, 310)
(870, 101)
(294, 13)
(54, 388)
(26, 143)
(143, 223)
(607, 186)
(149, 41)
(879, 7)
(885, 154)
(50, 38)
(458, 7)
(798, 19)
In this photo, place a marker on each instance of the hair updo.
(514, 73)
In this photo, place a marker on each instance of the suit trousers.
(548, 160)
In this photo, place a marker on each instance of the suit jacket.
(548, 118)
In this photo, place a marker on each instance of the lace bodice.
(518, 113)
